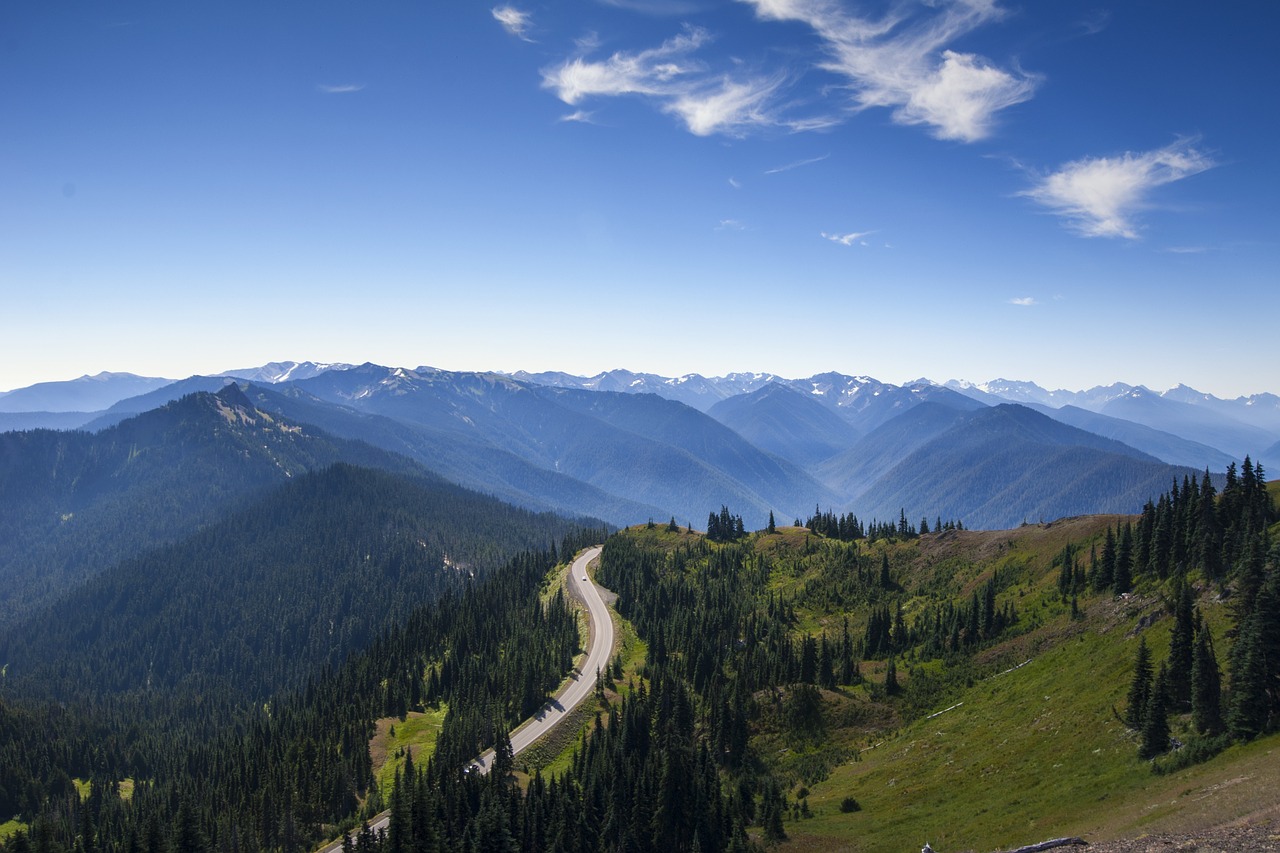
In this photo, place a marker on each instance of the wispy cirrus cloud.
(514, 21)
(796, 165)
(901, 62)
(341, 89)
(1023, 300)
(850, 239)
(669, 75)
(1101, 196)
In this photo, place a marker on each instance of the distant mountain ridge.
(626, 446)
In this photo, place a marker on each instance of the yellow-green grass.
(394, 738)
(10, 827)
(1031, 754)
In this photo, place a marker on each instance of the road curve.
(583, 680)
(581, 684)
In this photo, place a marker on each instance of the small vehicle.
(584, 578)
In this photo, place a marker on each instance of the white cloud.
(1023, 300)
(678, 83)
(796, 165)
(901, 62)
(849, 239)
(735, 183)
(1099, 196)
(581, 116)
(344, 89)
(726, 107)
(513, 21)
(649, 72)
(730, 225)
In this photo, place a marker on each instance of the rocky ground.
(1229, 839)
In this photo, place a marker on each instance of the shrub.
(849, 804)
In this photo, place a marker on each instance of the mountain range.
(627, 446)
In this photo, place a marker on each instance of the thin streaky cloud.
(343, 89)
(849, 239)
(735, 183)
(796, 165)
(1101, 196)
(580, 116)
(730, 225)
(1023, 300)
(514, 21)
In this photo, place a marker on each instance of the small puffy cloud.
(1023, 300)
(513, 21)
(1099, 196)
(853, 237)
(342, 89)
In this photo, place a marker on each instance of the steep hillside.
(854, 470)
(72, 504)
(257, 602)
(786, 423)
(1007, 464)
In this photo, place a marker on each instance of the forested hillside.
(263, 600)
(75, 503)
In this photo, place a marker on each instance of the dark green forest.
(75, 503)
(744, 632)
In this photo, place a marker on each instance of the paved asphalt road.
(581, 685)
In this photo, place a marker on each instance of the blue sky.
(1063, 192)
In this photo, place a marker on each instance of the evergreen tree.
(1206, 686)
(1139, 688)
(1155, 723)
(1248, 711)
(1182, 648)
(1123, 578)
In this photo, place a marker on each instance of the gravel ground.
(1229, 839)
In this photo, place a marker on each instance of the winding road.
(583, 680)
(581, 683)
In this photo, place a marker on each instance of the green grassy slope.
(1030, 745)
